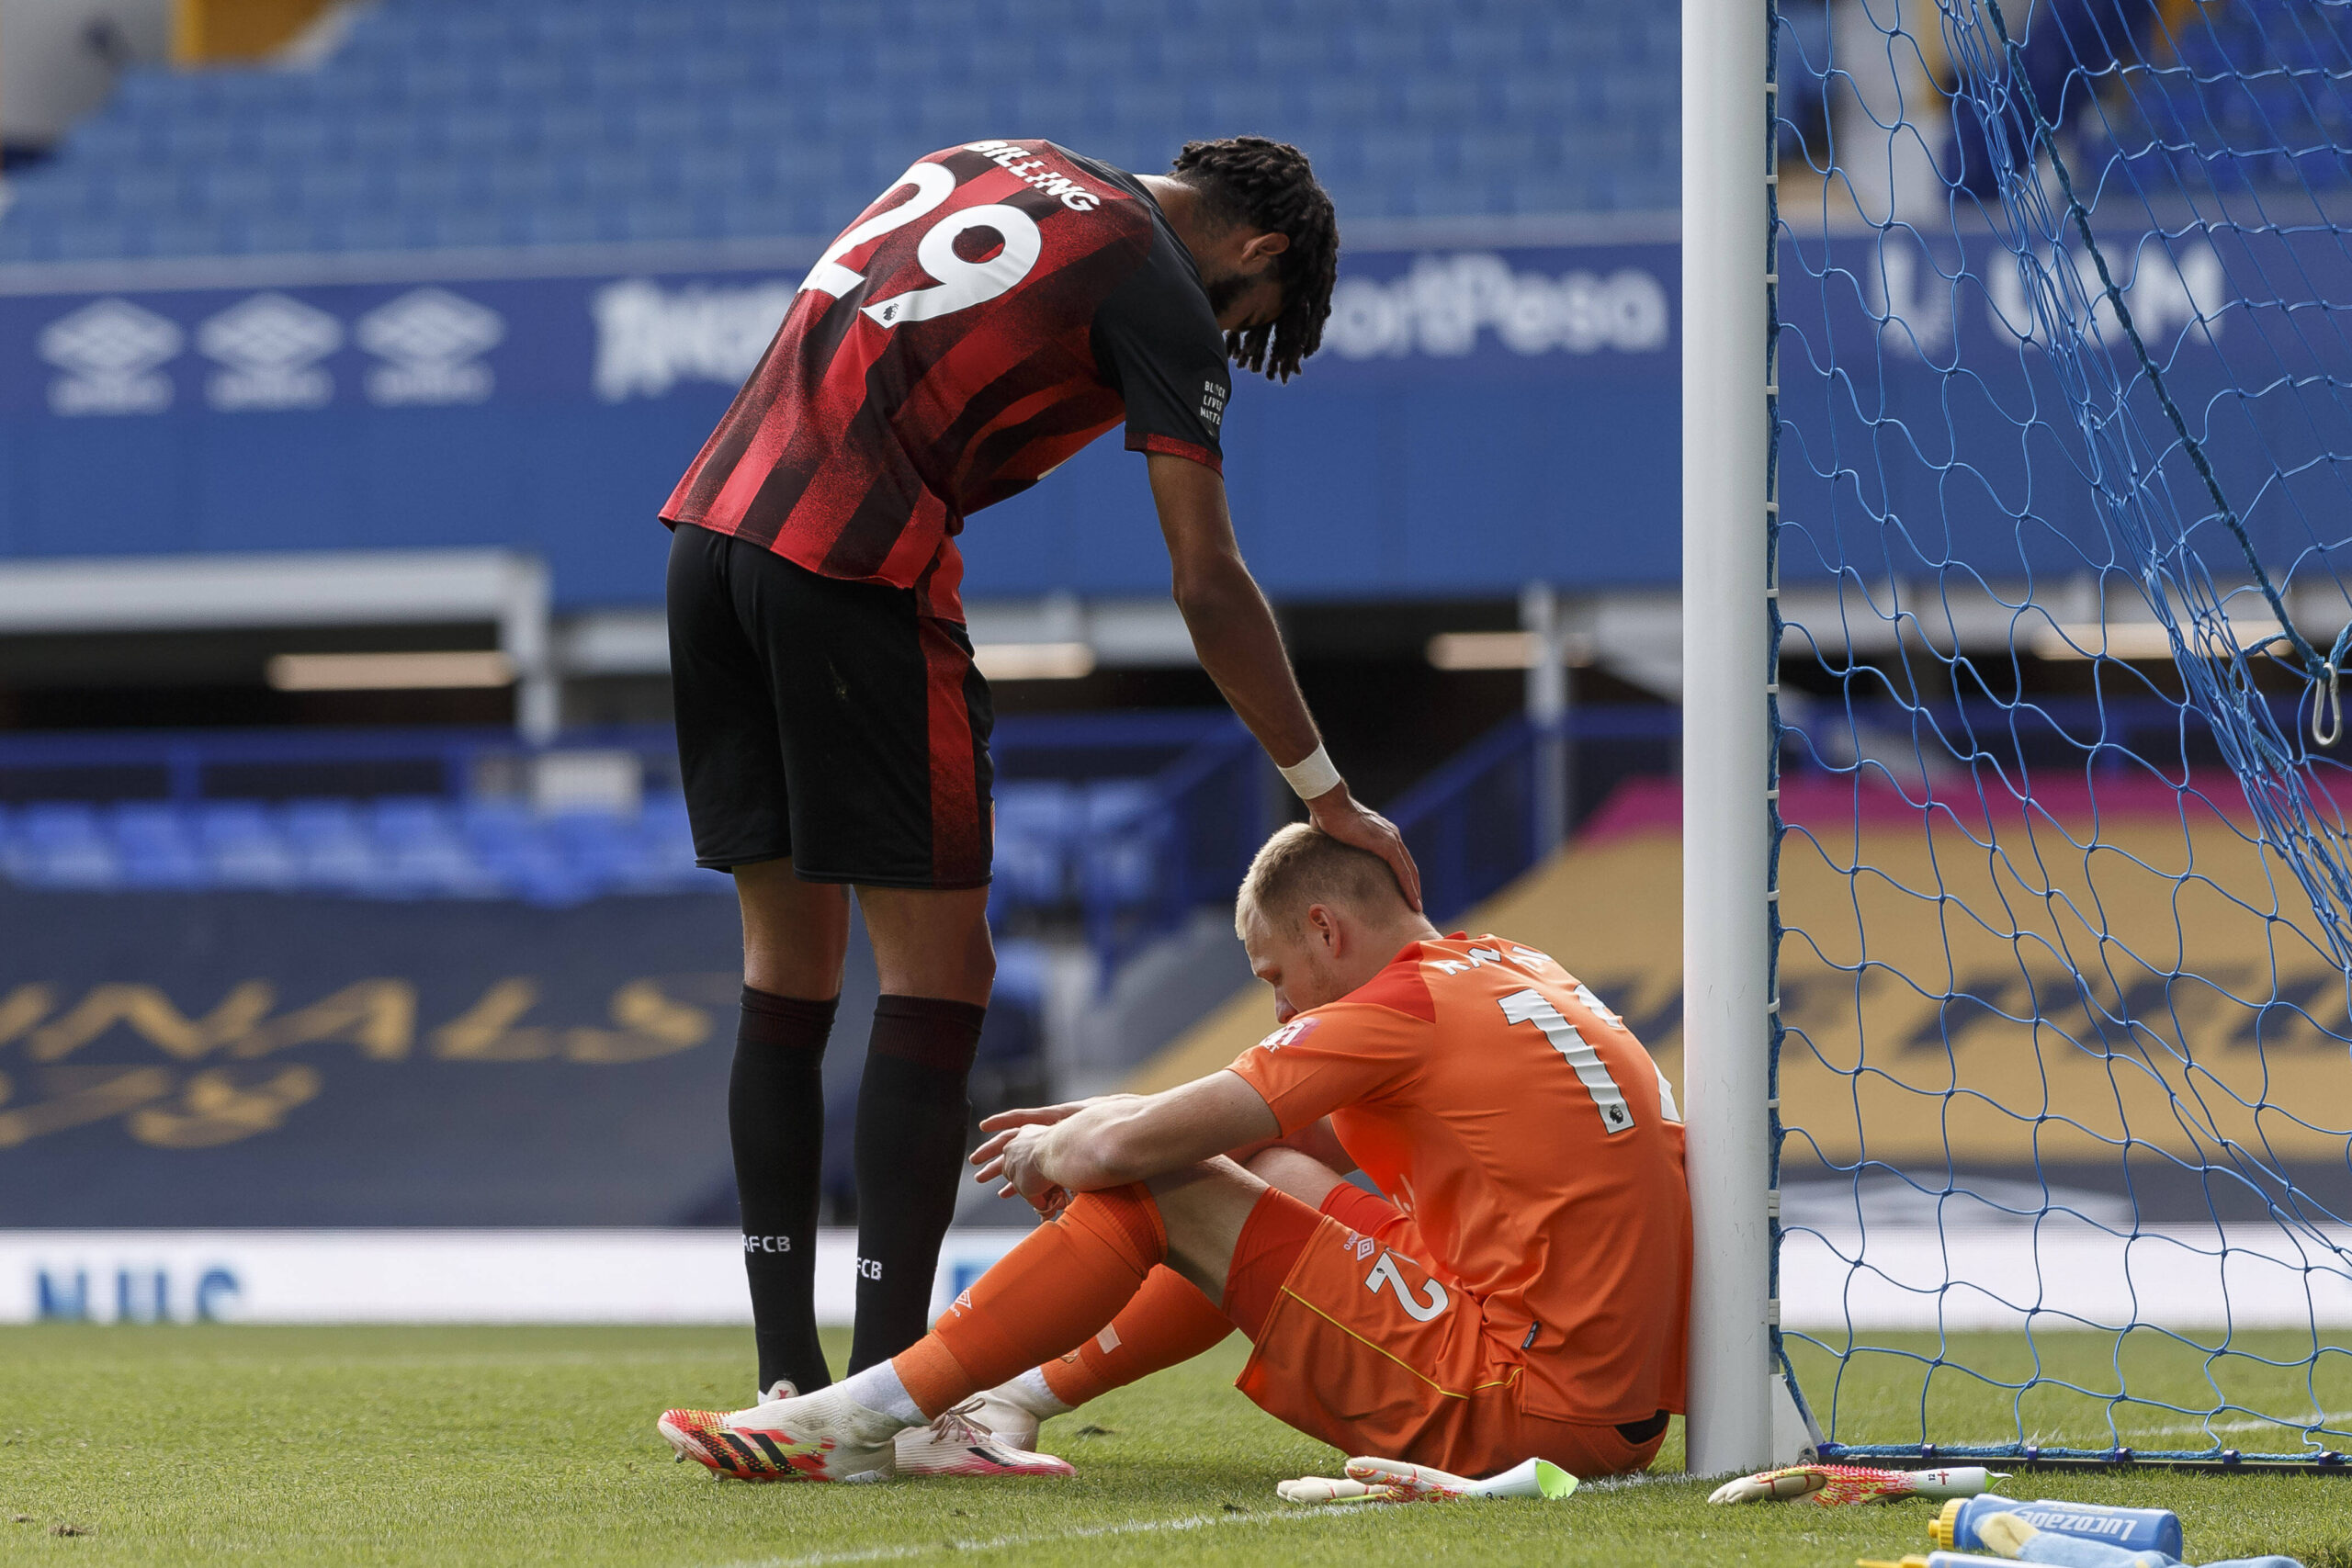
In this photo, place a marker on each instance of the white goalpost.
(2028, 985)
(1727, 745)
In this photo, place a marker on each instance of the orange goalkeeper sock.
(1166, 1323)
(1066, 1279)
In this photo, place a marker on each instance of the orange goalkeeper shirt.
(1534, 1144)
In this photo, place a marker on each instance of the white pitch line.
(1646, 1478)
(998, 1543)
(2326, 1419)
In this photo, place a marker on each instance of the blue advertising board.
(1949, 408)
(1476, 418)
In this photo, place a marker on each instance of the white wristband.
(1313, 776)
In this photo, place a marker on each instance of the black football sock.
(775, 1119)
(911, 1118)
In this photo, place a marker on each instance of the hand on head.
(1320, 915)
(1339, 814)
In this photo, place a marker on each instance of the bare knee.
(1305, 1178)
(930, 944)
(962, 970)
(1205, 1207)
(979, 956)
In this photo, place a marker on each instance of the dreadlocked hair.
(1267, 185)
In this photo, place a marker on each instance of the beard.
(1223, 291)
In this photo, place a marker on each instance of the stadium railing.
(1118, 823)
(1475, 824)
(1118, 826)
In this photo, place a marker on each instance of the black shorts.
(825, 720)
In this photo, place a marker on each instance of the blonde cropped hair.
(1302, 866)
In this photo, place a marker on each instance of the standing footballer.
(998, 307)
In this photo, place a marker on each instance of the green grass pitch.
(448, 1447)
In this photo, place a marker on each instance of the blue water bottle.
(2134, 1530)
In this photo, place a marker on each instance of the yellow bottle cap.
(1945, 1526)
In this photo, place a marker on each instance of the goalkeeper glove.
(1392, 1481)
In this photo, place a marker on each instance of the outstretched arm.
(1240, 646)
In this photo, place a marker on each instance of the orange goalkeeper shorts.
(1368, 1351)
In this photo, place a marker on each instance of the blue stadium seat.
(1434, 100)
(461, 228)
(1341, 101)
(1038, 822)
(143, 190)
(294, 138)
(1291, 54)
(273, 234)
(1122, 846)
(1247, 105)
(1023, 974)
(242, 846)
(155, 846)
(1506, 149)
(947, 115)
(507, 841)
(918, 57)
(1108, 56)
(108, 139)
(556, 860)
(527, 79)
(331, 844)
(599, 844)
(1152, 105)
(428, 109)
(1191, 54)
(665, 852)
(567, 225)
(1495, 44)
(60, 844)
(430, 865)
(1632, 96)
(489, 819)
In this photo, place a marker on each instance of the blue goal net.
(2061, 524)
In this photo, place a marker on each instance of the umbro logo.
(432, 339)
(268, 346)
(110, 350)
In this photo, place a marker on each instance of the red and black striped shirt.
(998, 307)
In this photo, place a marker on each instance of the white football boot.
(1013, 1412)
(824, 1436)
(1008, 1420)
(962, 1441)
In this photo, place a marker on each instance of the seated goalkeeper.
(1521, 1294)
